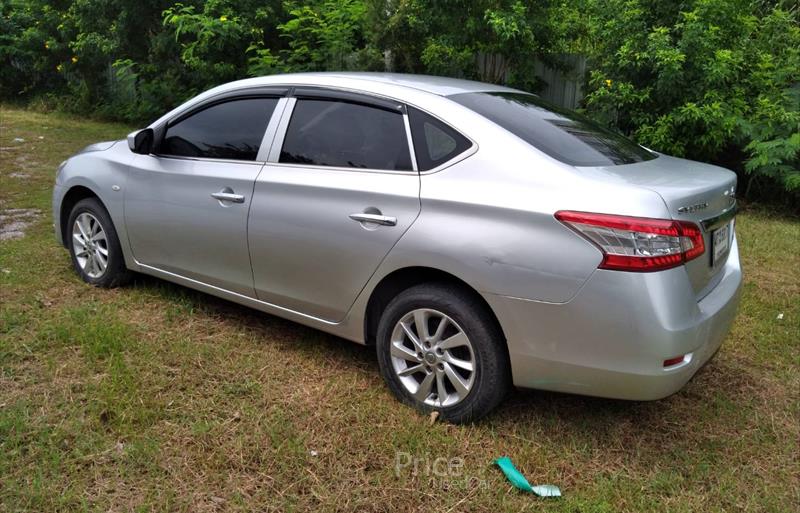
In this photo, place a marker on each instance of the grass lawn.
(153, 397)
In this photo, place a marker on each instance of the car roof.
(442, 86)
(400, 86)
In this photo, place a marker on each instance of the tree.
(444, 38)
(712, 80)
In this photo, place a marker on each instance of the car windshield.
(561, 133)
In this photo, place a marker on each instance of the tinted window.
(561, 133)
(434, 142)
(230, 130)
(336, 133)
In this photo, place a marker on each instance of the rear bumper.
(611, 339)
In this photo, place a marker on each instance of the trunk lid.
(692, 191)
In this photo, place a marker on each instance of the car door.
(338, 191)
(186, 205)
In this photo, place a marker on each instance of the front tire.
(94, 245)
(440, 349)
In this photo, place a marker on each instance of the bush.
(712, 80)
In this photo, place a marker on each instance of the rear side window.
(231, 130)
(434, 142)
(561, 133)
(344, 134)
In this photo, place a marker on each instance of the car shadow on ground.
(717, 387)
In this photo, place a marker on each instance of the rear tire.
(94, 245)
(460, 369)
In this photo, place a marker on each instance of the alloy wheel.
(433, 357)
(90, 245)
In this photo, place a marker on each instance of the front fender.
(104, 173)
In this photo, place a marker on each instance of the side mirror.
(141, 141)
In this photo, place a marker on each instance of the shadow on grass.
(719, 393)
(291, 335)
(702, 422)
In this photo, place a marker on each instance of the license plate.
(720, 242)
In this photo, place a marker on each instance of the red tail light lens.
(637, 244)
(674, 361)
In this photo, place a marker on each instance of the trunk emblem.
(693, 208)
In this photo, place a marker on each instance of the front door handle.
(227, 194)
(374, 218)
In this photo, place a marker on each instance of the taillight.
(637, 243)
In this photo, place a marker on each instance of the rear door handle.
(224, 195)
(374, 218)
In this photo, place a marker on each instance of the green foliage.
(210, 46)
(713, 80)
(445, 38)
(64, 52)
(327, 35)
(32, 47)
(131, 60)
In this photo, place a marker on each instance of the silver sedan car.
(476, 235)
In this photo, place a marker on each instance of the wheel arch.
(75, 194)
(401, 279)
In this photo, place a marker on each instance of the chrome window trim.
(410, 172)
(412, 152)
(272, 129)
(208, 159)
(472, 150)
(280, 134)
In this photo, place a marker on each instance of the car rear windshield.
(561, 133)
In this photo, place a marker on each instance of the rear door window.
(230, 130)
(345, 134)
